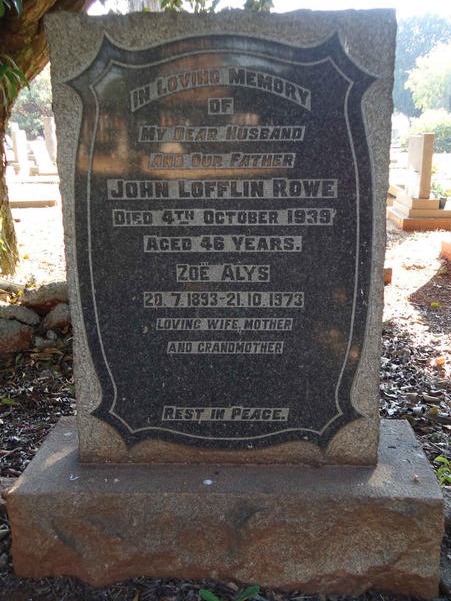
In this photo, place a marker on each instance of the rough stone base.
(319, 530)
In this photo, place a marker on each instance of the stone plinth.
(411, 214)
(419, 224)
(319, 530)
(421, 149)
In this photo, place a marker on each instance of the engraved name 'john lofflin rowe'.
(223, 188)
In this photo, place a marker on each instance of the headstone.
(224, 206)
(229, 225)
(44, 163)
(413, 208)
(20, 148)
(50, 136)
(420, 153)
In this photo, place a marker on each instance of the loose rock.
(14, 336)
(43, 343)
(19, 313)
(5, 485)
(46, 297)
(58, 317)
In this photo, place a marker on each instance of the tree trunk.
(22, 38)
(8, 243)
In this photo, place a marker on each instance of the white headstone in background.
(41, 156)
(20, 147)
(50, 137)
(421, 150)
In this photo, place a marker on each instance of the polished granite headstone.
(219, 190)
(224, 195)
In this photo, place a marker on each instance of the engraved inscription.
(228, 272)
(221, 133)
(230, 76)
(225, 347)
(235, 160)
(120, 189)
(242, 298)
(229, 217)
(223, 184)
(264, 414)
(215, 244)
(282, 324)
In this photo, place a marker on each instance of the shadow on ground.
(433, 299)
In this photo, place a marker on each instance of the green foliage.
(438, 191)
(171, 5)
(8, 402)
(201, 6)
(3, 248)
(416, 37)
(11, 77)
(207, 595)
(246, 595)
(209, 6)
(196, 6)
(262, 6)
(443, 472)
(249, 593)
(32, 104)
(430, 80)
(438, 122)
(10, 4)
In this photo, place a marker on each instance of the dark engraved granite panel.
(224, 224)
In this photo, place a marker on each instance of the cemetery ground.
(36, 389)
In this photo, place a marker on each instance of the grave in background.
(31, 175)
(20, 149)
(420, 153)
(224, 206)
(413, 207)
